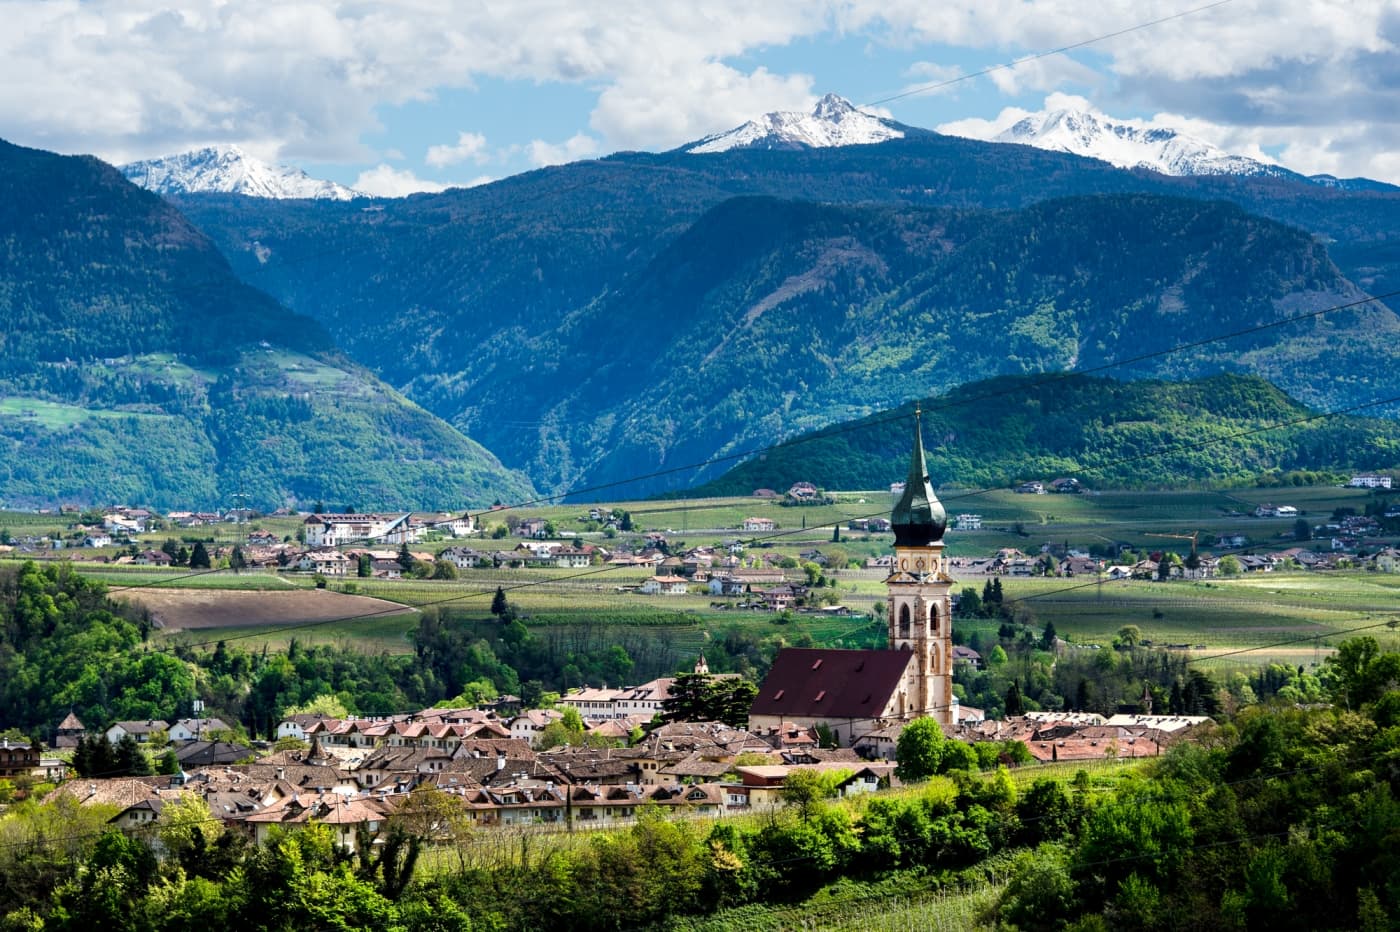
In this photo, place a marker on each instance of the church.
(854, 692)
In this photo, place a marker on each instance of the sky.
(394, 96)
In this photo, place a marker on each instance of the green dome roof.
(918, 517)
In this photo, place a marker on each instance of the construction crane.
(1191, 562)
(1191, 537)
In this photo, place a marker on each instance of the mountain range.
(636, 314)
(653, 314)
(832, 122)
(135, 366)
(230, 170)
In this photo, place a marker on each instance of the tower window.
(904, 621)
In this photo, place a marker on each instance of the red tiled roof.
(825, 683)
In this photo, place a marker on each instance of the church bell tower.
(920, 605)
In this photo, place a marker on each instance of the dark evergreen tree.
(128, 759)
(499, 605)
(405, 557)
(199, 558)
(1014, 703)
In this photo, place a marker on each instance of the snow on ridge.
(1129, 144)
(230, 170)
(832, 122)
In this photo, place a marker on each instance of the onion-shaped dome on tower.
(918, 517)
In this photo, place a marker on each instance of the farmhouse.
(760, 524)
(1370, 481)
(665, 585)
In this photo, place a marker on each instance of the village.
(354, 773)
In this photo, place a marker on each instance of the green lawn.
(55, 416)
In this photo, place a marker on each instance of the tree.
(129, 760)
(236, 559)
(1229, 566)
(969, 603)
(499, 605)
(1014, 704)
(444, 569)
(325, 704)
(1047, 639)
(199, 557)
(1129, 636)
(701, 697)
(1302, 530)
(919, 750)
(405, 558)
(187, 824)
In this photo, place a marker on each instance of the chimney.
(500, 762)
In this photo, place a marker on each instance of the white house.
(968, 523)
(325, 562)
(665, 585)
(760, 524)
(141, 731)
(1368, 481)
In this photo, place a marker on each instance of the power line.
(1012, 65)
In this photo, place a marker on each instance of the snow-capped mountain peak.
(230, 170)
(834, 121)
(1125, 143)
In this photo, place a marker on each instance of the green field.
(1287, 617)
(55, 416)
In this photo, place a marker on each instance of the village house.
(528, 724)
(141, 731)
(18, 758)
(325, 562)
(194, 729)
(153, 558)
(1370, 481)
(967, 522)
(665, 585)
(760, 524)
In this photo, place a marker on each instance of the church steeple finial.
(918, 517)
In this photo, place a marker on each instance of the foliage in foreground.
(1285, 818)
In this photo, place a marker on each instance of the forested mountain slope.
(134, 365)
(1144, 434)
(491, 306)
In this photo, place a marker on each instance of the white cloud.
(927, 78)
(308, 80)
(469, 146)
(578, 146)
(386, 181)
(648, 110)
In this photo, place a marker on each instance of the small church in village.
(855, 692)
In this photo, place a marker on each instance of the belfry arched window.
(904, 621)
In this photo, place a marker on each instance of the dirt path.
(199, 609)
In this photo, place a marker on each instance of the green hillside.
(562, 316)
(769, 317)
(1003, 431)
(135, 366)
